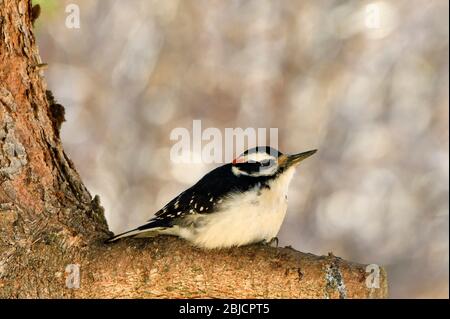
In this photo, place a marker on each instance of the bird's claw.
(271, 243)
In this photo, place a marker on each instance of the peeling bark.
(48, 219)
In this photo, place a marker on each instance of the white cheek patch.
(265, 171)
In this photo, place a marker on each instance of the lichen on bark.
(12, 154)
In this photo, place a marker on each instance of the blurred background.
(364, 82)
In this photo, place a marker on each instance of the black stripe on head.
(249, 167)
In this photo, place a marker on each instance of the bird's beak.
(295, 159)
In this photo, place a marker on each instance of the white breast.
(244, 219)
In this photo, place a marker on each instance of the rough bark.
(49, 220)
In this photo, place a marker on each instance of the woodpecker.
(236, 204)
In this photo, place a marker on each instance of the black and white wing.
(205, 197)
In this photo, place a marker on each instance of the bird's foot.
(271, 243)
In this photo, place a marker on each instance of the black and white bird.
(239, 203)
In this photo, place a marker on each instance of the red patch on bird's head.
(238, 160)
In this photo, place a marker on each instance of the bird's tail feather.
(151, 229)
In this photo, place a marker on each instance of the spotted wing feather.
(204, 197)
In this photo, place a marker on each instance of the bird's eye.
(265, 163)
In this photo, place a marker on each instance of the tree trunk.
(49, 221)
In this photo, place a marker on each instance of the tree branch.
(167, 267)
